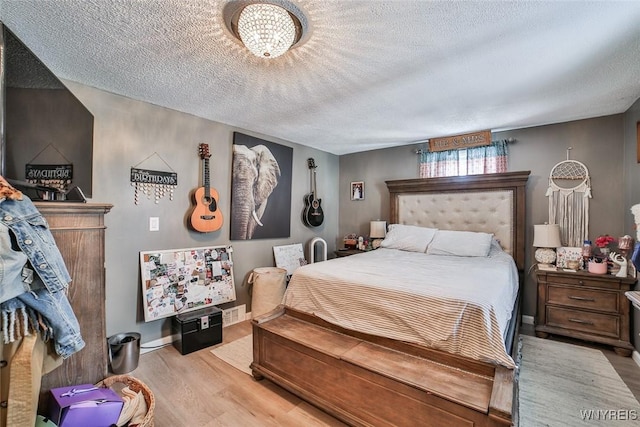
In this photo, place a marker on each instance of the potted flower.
(603, 242)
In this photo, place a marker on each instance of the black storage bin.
(197, 329)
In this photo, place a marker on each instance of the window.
(471, 161)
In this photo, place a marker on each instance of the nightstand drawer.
(601, 324)
(583, 298)
(580, 280)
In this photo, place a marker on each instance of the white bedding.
(460, 305)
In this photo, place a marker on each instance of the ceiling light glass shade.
(266, 30)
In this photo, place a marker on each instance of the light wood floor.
(198, 389)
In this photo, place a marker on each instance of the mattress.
(460, 305)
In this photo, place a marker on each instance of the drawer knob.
(581, 298)
(580, 282)
(582, 322)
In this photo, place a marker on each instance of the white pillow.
(408, 237)
(460, 243)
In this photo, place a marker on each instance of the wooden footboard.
(367, 381)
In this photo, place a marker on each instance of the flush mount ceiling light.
(268, 30)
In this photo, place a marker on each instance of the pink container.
(598, 267)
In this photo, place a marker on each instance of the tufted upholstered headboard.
(491, 203)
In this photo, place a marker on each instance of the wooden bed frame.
(367, 380)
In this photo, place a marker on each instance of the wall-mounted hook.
(568, 150)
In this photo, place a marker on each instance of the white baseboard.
(528, 320)
(636, 357)
(156, 344)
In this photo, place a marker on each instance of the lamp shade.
(546, 236)
(378, 229)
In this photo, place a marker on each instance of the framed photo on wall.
(357, 190)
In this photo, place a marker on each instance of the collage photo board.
(176, 281)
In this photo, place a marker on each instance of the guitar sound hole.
(210, 202)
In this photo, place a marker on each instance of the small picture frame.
(565, 254)
(357, 190)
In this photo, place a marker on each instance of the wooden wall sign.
(457, 142)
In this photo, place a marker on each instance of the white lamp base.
(545, 257)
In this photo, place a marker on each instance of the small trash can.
(124, 352)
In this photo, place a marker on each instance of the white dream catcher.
(569, 193)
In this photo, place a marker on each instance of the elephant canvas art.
(260, 189)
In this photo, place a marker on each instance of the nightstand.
(586, 306)
(346, 252)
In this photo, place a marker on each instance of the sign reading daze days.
(457, 142)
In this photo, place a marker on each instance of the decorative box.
(598, 267)
(197, 329)
(84, 405)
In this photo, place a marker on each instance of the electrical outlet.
(154, 223)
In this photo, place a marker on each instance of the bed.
(363, 337)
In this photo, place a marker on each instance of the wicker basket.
(137, 386)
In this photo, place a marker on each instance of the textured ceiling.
(368, 75)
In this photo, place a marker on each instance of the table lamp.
(377, 232)
(546, 237)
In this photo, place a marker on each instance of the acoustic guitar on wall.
(206, 217)
(312, 216)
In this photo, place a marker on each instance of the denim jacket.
(46, 299)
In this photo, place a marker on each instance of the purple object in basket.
(84, 405)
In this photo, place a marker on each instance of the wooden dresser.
(586, 306)
(79, 231)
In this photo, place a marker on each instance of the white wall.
(125, 133)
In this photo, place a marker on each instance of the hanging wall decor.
(569, 193)
(58, 177)
(260, 189)
(152, 183)
(55, 175)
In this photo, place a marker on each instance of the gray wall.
(125, 133)
(632, 191)
(598, 143)
(630, 165)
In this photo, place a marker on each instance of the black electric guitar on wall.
(312, 215)
(205, 217)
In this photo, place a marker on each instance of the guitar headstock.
(203, 150)
(311, 163)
